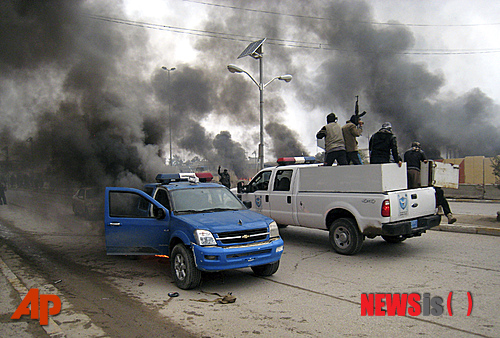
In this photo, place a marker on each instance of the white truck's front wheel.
(345, 236)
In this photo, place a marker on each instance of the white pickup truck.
(351, 202)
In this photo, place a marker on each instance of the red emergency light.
(296, 160)
(204, 177)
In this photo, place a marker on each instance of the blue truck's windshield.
(204, 200)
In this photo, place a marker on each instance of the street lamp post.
(169, 112)
(261, 85)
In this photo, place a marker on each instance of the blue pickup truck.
(200, 226)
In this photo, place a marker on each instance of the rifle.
(357, 115)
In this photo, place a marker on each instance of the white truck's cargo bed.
(444, 175)
(372, 178)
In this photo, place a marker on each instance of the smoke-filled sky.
(83, 79)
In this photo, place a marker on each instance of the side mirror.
(248, 204)
(159, 213)
(239, 187)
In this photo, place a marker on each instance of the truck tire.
(184, 271)
(393, 239)
(345, 236)
(266, 269)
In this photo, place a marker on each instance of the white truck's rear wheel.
(393, 239)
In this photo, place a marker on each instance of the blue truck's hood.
(226, 220)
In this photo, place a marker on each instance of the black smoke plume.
(78, 100)
(358, 58)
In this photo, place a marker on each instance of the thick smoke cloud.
(365, 60)
(284, 141)
(78, 98)
(81, 123)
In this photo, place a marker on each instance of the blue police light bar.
(296, 160)
(167, 178)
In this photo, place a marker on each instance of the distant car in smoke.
(88, 202)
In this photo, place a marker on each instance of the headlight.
(204, 237)
(273, 230)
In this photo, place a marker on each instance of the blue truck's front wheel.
(184, 271)
(266, 269)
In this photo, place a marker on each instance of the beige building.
(475, 170)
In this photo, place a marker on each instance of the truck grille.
(244, 236)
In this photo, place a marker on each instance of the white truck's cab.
(352, 202)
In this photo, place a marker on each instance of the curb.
(469, 229)
(53, 330)
(68, 323)
(470, 200)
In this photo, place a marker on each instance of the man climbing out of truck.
(413, 157)
(334, 141)
(382, 144)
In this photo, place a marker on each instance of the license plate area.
(414, 224)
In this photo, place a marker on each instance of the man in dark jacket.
(382, 144)
(225, 179)
(413, 157)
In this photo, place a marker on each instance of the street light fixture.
(287, 78)
(169, 113)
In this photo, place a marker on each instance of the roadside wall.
(475, 170)
(469, 191)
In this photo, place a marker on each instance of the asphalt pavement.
(13, 290)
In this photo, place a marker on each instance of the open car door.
(135, 223)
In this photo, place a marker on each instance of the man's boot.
(451, 219)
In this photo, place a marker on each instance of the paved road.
(315, 293)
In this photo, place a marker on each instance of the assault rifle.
(355, 118)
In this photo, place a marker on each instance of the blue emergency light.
(167, 178)
(296, 160)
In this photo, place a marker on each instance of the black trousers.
(353, 157)
(441, 200)
(339, 155)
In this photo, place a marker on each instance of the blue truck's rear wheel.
(184, 271)
(345, 236)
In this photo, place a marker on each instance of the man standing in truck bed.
(334, 141)
(382, 144)
(352, 129)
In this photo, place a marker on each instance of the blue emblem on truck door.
(258, 201)
(403, 204)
